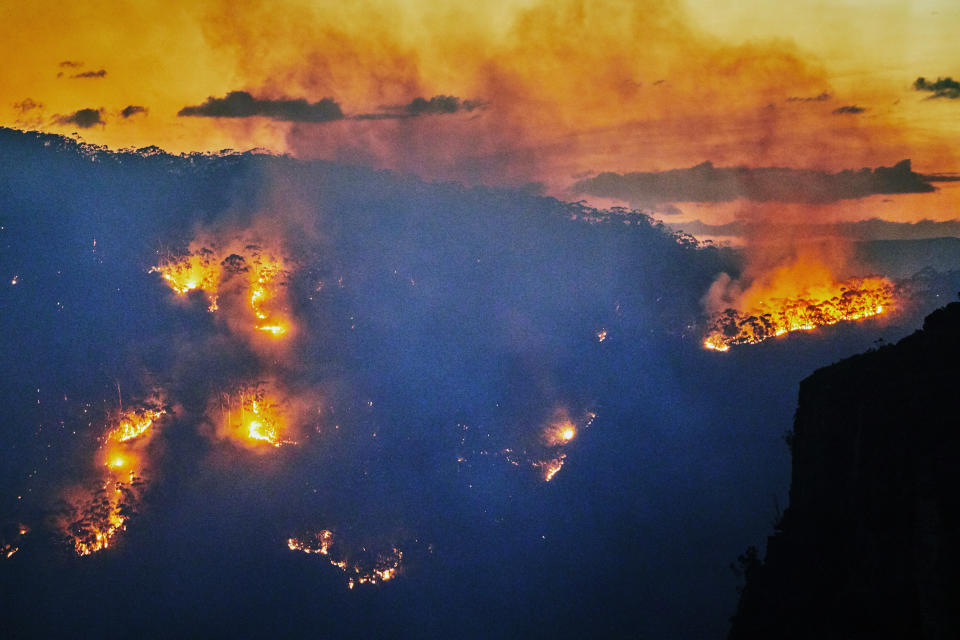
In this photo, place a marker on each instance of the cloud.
(84, 118)
(823, 97)
(706, 183)
(132, 110)
(240, 104)
(942, 88)
(100, 73)
(437, 105)
(873, 229)
(850, 108)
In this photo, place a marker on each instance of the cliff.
(868, 546)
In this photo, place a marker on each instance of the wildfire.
(96, 517)
(853, 299)
(10, 544)
(560, 432)
(97, 520)
(253, 416)
(134, 424)
(376, 568)
(211, 271)
(550, 468)
(200, 270)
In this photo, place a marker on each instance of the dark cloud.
(240, 104)
(99, 73)
(823, 97)
(942, 88)
(70, 64)
(84, 118)
(850, 108)
(132, 110)
(437, 105)
(706, 183)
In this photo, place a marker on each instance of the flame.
(811, 307)
(382, 568)
(601, 335)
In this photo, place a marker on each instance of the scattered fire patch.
(853, 299)
(364, 567)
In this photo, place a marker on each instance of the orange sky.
(570, 86)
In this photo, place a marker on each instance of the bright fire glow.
(852, 299)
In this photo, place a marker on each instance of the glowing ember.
(601, 335)
(15, 280)
(10, 544)
(853, 299)
(372, 569)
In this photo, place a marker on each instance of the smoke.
(565, 82)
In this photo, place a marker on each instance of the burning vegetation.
(813, 307)
(365, 567)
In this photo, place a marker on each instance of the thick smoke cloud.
(83, 118)
(706, 183)
(241, 104)
(941, 88)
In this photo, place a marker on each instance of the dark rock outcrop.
(870, 544)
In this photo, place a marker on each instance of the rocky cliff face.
(870, 544)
